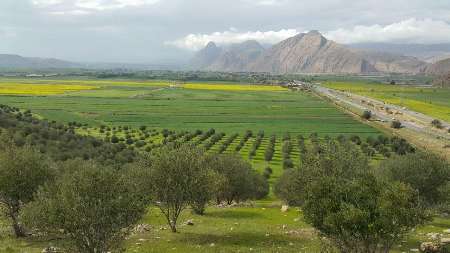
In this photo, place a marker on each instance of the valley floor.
(255, 227)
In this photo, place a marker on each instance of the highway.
(386, 112)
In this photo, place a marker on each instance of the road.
(386, 112)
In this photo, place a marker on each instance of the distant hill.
(11, 61)
(305, 53)
(426, 52)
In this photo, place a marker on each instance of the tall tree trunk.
(173, 227)
(19, 231)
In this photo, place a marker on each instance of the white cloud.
(268, 2)
(101, 5)
(424, 31)
(198, 41)
(44, 3)
(407, 31)
(70, 12)
(82, 7)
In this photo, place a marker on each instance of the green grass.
(158, 105)
(260, 228)
(434, 102)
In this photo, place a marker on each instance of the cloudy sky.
(158, 31)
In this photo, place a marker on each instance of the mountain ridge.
(309, 53)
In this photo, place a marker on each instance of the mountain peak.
(314, 32)
(211, 44)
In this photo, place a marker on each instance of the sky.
(168, 31)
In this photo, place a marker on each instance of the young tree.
(179, 178)
(240, 182)
(22, 171)
(93, 207)
(270, 150)
(290, 187)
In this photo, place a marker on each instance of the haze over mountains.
(305, 53)
(11, 61)
(15, 62)
(427, 52)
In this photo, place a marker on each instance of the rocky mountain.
(233, 58)
(206, 57)
(10, 61)
(440, 68)
(310, 53)
(305, 53)
(237, 57)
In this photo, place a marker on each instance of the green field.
(431, 101)
(226, 107)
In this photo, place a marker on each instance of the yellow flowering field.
(41, 89)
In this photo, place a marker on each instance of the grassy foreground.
(262, 227)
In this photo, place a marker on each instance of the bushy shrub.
(93, 207)
(22, 171)
(366, 115)
(425, 172)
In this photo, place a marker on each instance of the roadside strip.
(416, 126)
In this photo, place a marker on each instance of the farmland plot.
(228, 108)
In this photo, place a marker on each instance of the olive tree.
(349, 204)
(239, 181)
(22, 171)
(179, 178)
(92, 207)
(362, 214)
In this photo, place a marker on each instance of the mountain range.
(14, 62)
(11, 61)
(304, 53)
